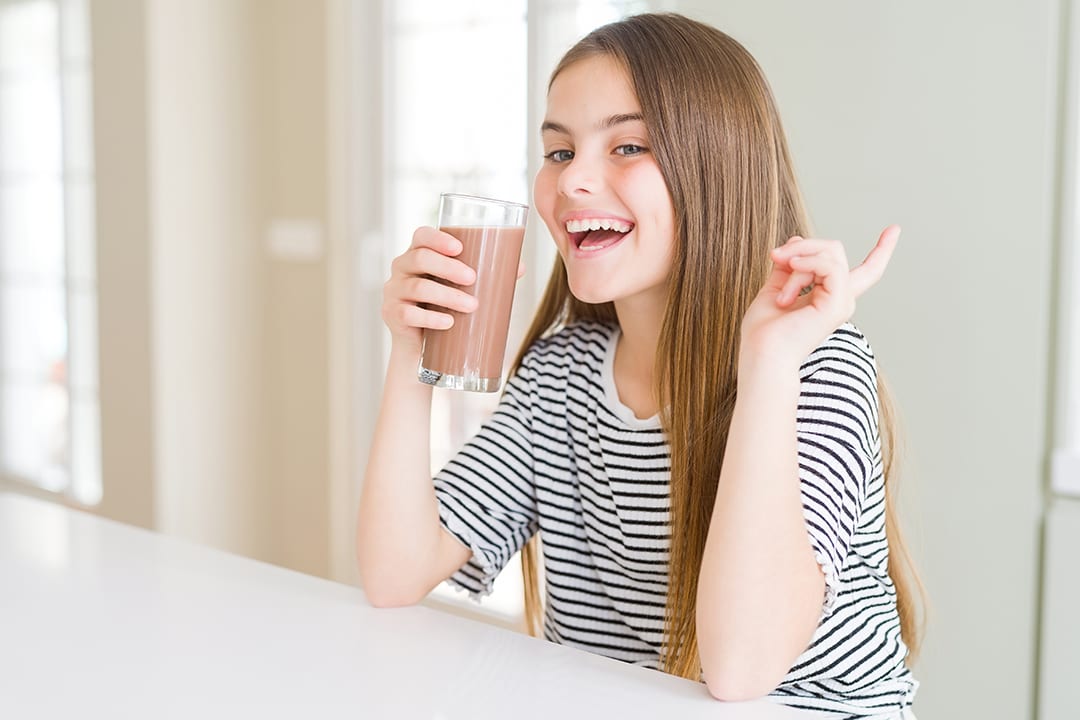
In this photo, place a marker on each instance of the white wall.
(238, 103)
(123, 259)
(217, 372)
(360, 270)
(208, 325)
(293, 110)
(941, 116)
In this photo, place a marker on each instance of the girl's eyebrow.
(605, 124)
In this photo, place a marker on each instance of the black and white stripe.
(562, 456)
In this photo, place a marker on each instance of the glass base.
(471, 383)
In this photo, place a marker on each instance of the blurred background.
(200, 199)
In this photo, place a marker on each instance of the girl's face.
(600, 191)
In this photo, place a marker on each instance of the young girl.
(692, 427)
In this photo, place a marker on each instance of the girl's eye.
(560, 156)
(627, 150)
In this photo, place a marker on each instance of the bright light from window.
(49, 416)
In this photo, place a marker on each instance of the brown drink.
(469, 356)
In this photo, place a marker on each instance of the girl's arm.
(402, 550)
(760, 588)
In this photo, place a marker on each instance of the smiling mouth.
(593, 235)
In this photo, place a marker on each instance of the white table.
(99, 619)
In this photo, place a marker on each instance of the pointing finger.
(873, 267)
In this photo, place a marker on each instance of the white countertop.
(103, 620)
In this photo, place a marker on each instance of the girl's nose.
(579, 177)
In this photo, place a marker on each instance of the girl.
(692, 426)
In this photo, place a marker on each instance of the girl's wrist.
(403, 364)
(762, 369)
(405, 351)
(770, 361)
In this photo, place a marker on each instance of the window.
(49, 416)
(1065, 403)
(466, 84)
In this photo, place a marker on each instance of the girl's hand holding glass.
(810, 292)
(413, 294)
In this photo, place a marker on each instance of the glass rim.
(482, 199)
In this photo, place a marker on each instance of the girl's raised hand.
(786, 319)
(416, 294)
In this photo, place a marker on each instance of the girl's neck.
(635, 355)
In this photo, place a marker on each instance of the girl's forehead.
(591, 86)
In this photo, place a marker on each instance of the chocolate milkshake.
(469, 356)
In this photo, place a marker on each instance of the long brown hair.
(717, 138)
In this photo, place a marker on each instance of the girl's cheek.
(544, 187)
(540, 184)
(547, 178)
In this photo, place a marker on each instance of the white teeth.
(576, 226)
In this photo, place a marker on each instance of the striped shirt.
(563, 456)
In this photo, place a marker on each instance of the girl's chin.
(588, 294)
